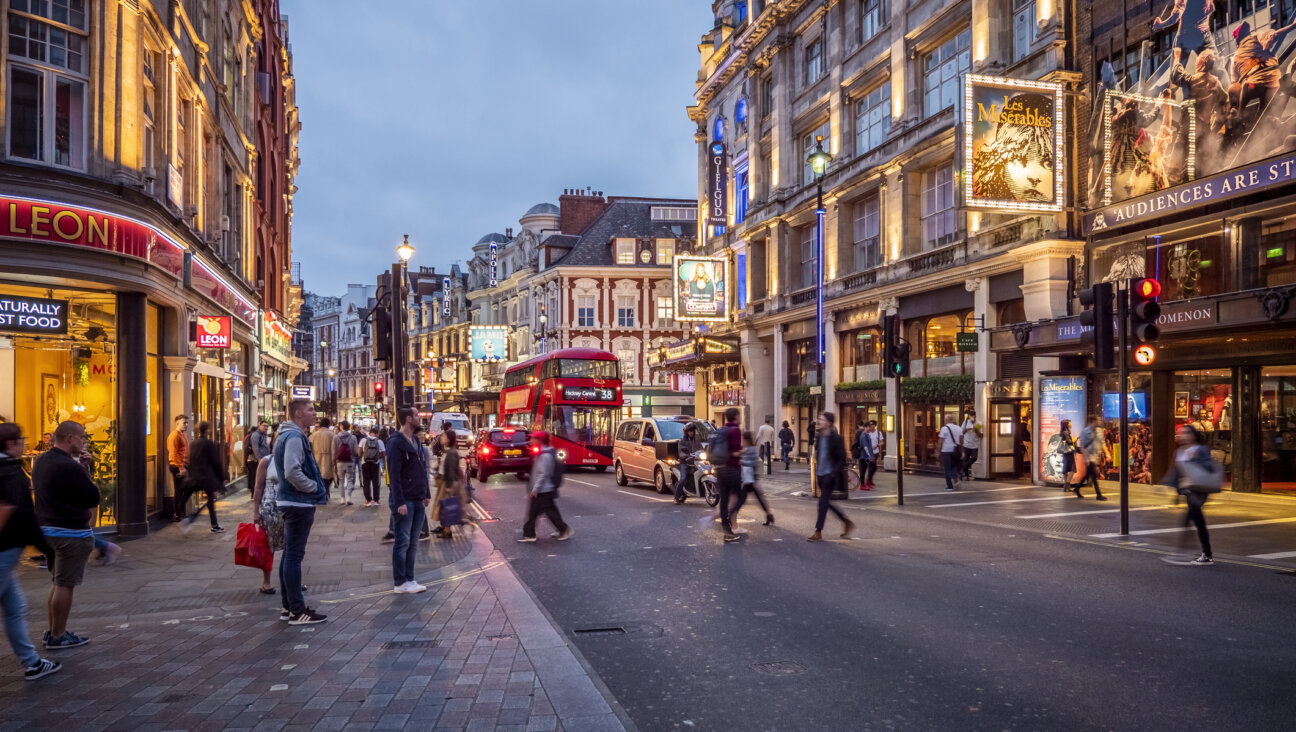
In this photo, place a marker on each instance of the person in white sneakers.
(410, 495)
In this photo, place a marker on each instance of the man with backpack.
(346, 448)
(546, 477)
(724, 451)
(371, 455)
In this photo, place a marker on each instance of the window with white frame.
(813, 61)
(942, 70)
(625, 307)
(808, 143)
(873, 118)
(629, 363)
(625, 251)
(938, 214)
(867, 233)
(809, 256)
(665, 309)
(665, 251)
(872, 18)
(48, 42)
(585, 306)
(1023, 29)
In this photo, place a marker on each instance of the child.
(749, 461)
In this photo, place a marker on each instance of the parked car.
(500, 450)
(646, 448)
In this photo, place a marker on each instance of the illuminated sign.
(303, 392)
(488, 343)
(701, 289)
(276, 338)
(33, 315)
(517, 400)
(212, 331)
(717, 184)
(682, 350)
(1012, 144)
(589, 394)
(710, 345)
(445, 296)
(1061, 399)
(494, 264)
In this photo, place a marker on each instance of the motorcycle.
(702, 483)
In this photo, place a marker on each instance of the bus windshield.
(579, 368)
(584, 425)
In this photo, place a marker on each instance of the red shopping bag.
(252, 548)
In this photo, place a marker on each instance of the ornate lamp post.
(819, 159)
(399, 320)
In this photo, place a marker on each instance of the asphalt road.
(919, 622)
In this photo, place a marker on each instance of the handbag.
(451, 511)
(252, 548)
(1200, 477)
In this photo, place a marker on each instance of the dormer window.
(625, 251)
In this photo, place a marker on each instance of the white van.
(457, 421)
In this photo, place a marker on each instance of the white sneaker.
(413, 587)
(400, 589)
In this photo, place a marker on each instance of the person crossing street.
(546, 477)
(830, 461)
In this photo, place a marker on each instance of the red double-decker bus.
(574, 394)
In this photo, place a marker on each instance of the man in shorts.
(66, 498)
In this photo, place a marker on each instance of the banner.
(1012, 144)
(701, 293)
(717, 185)
(488, 343)
(1220, 101)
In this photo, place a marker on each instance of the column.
(132, 416)
(984, 368)
(780, 371)
(757, 361)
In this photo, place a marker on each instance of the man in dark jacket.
(207, 474)
(18, 529)
(407, 469)
(688, 447)
(728, 468)
(830, 461)
(65, 501)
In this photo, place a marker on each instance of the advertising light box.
(701, 292)
(1012, 144)
(488, 343)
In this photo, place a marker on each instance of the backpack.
(344, 451)
(371, 450)
(718, 452)
(560, 469)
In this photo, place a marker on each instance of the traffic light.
(382, 334)
(1097, 317)
(378, 391)
(901, 358)
(888, 346)
(1144, 310)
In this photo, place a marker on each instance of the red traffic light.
(1147, 289)
(378, 387)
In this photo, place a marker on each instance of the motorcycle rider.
(688, 448)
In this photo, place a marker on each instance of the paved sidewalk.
(182, 640)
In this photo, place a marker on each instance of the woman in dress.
(265, 512)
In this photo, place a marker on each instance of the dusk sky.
(448, 119)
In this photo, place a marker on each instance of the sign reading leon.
(1012, 144)
(701, 292)
(212, 331)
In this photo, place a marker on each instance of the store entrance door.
(1009, 456)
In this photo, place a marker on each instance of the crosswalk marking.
(573, 480)
(1087, 513)
(1006, 500)
(1212, 527)
(651, 498)
(945, 492)
(1275, 555)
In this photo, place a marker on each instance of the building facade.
(130, 229)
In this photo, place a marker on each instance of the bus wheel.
(601, 468)
(620, 475)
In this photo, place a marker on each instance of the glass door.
(1007, 457)
(1278, 429)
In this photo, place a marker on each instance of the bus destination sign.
(589, 394)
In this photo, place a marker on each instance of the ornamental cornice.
(742, 47)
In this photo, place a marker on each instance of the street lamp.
(405, 251)
(399, 349)
(544, 318)
(819, 160)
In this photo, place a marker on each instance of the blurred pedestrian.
(1092, 448)
(542, 493)
(951, 436)
(765, 441)
(450, 484)
(1067, 449)
(787, 438)
(1195, 475)
(206, 474)
(724, 451)
(325, 451)
(971, 443)
(864, 453)
(65, 502)
(18, 529)
(830, 461)
(410, 496)
(265, 512)
(346, 449)
(302, 489)
(750, 467)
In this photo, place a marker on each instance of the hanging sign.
(717, 184)
(33, 315)
(303, 391)
(966, 342)
(494, 264)
(701, 292)
(212, 331)
(445, 297)
(1012, 144)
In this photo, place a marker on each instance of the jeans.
(346, 480)
(863, 471)
(14, 605)
(297, 527)
(177, 488)
(406, 547)
(542, 503)
(686, 475)
(872, 469)
(1198, 519)
(211, 503)
(950, 464)
(369, 481)
(827, 484)
(786, 449)
(730, 480)
(969, 459)
(766, 455)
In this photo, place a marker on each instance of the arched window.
(740, 111)
(718, 130)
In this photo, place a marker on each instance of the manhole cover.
(406, 645)
(779, 668)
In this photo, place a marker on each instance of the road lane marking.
(573, 480)
(1275, 555)
(640, 495)
(1006, 500)
(945, 492)
(482, 513)
(1212, 527)
(1087, 513)
(1140, 547)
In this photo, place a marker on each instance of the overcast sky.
(448, 119)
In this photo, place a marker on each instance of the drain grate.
(406, 645)
(779, 668)
(600, 631)
(503, 637)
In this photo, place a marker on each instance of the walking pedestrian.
(867, 456)
(410, 496)
(372, 451)
(65, 502)
(265, 512)
(1195, 475)
(750, 467)
(689, 447)
(302, 489)
(322, 445)
(206, 474)
(830, 461)
(18, 530)
(787, 438)
(971, 443)
(178, 460)
(1092, 447)
(546, 476)
(724, 451)
(345, 449)
(1067, 449)
(451, 484)
(951, 436)
(765, 441)
(878, 438)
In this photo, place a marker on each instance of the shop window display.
(1273, 262)
(1186, 268)
(1139, 410)
(1204, 401)
(1278, 428)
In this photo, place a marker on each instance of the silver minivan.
(637, 452)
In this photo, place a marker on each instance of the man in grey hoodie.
(301, 490)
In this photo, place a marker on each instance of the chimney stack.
(578, 208)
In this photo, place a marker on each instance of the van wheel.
(620, 475)
(659, 478)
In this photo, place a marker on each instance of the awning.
(687, 355)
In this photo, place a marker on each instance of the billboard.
(1212, 121)
(212, 331)
(488, 343)
(701, 290)
(717, 184)
(1012, 144)
(1060, 399)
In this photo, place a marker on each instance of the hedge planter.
(798, 394)
(938, 389)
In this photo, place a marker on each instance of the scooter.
(702, 483)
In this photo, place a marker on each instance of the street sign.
(303, 392)
(966, 342)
